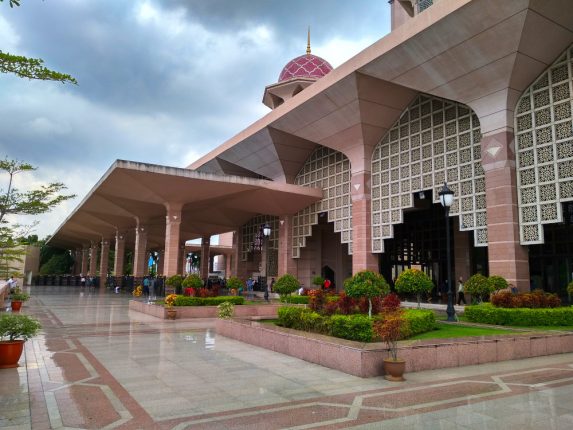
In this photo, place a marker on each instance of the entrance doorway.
(328, 273)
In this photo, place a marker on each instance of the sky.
(159, 81)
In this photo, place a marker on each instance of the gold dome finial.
(308, 42)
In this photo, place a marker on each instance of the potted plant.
(169, 302)
(234, 284)
(389, 329)
(18, 297)
(15, 329)
(192, 284)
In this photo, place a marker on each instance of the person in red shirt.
(327, 284)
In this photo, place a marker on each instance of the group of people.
(253, 285)
(87, 281)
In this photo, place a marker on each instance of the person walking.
(461, 295)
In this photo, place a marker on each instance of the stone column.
(77, 261)
(204, 267)
(286, 263)
(172, 238)
(362, 257)
(160, 260)
(85, 258)
(146, 265)
(181, 260)
(119, 257)
(93, 259)
(140, 251)
(507, 257)
(103, 261)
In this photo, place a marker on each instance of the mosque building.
(346, 167)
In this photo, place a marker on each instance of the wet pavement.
(97, 365)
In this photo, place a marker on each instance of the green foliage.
(207, 301)
(352, 327)
(497, 283)
(31, 68)
(366, 284)
(285, 285)
(13, 2)
(318, 281)
(234, 283)
(58, 264)
(19, 296)
(226, 310)
(175, 281)
(417, 321)
(295, 300)
(478, 286)
(18, 326)
(414, 281)
(570, 288)
(192, 281)
(302, 319)
(389, 329)
(523, 317)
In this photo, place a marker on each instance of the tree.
(366, 284)
(414, 281)
(14, 202)
(286, 285)
(478, 286)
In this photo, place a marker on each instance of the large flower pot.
(171, 313)
(394, 369)
(16, 305)
(10, 353)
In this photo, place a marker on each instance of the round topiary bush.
(175, 281)
(497, 283)
(286, 285)
(192, 281)
(366, 284)
(478, 286)
(234, 283)
(414, 281)
(318, 281)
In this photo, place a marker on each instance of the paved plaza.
(98, 366)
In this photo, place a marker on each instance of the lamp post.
(446, 199)
(266, 236)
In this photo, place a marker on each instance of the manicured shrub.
(497, 283)
(286, 285)
(417, 321)
(366, 284)
(317, 300)
(192, 281)
(364, 305)
(234, 283)
(503, 299)
(534, 300)
(318, 281)
(414, 281)
(207, 301)
(390, 303)
(302, 319)
(570, 288)
(175, 281)
(346, 304)
(352, 327)
(295, 300)
(486, 313)
(478, 286)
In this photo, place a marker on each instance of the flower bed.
(207, 301)
(523, 317)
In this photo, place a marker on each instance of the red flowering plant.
(389, 330)
(317, 300)
(366, 284)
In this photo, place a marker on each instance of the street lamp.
(266, 235)
(446, 199)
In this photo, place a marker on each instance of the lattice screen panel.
(544, 141)
(330, 170)
(252, 228)
(434, 140)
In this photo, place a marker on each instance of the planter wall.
(188, 312)
(365, 360)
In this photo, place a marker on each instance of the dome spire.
(308, 42)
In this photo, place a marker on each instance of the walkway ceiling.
(133, 192)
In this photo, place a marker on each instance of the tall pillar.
(172, 238)
(362, 257)
(286, 263)
(93, 258)
(85, 258)
(140, 251)
(77, 261)
(104, 258)
(119, 257)
(228, 268)
(181, 260)
(205, 245)
(507, 257)
(160, 260)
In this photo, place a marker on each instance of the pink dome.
(305, 66)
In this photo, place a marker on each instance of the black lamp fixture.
(447, 199)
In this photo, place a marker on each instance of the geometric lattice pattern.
(544, 141)
(435, 140)
(251, 235)
(330, 170)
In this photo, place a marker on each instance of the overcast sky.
(159, 81)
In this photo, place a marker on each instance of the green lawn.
(453, 330)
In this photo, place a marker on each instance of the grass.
(451, 331)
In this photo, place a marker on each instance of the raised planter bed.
(365, 360)
(188, 312)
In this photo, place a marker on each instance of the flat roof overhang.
(131, 192)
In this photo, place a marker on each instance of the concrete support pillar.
(462, 260)
(140, 251)
(181, 260)
(506, 256)
(286, 263)
(146, 265)
(85, 258)
(160, 260)
(104, 258)
(77, 261)
(362, 257)
(172, 258)
(93, 258)
(119, 257)
(205, 245)
(228, 268)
